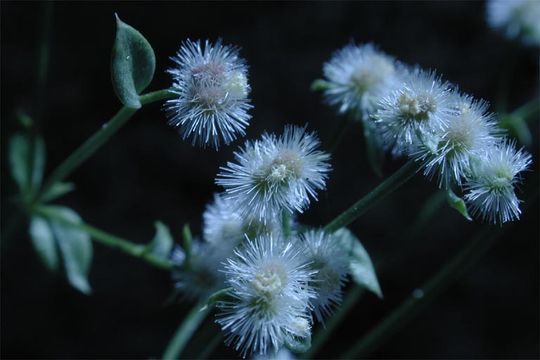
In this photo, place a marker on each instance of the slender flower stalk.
(185, 331)
(423, 295)
(392, 183)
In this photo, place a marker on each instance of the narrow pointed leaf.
(132, 64)
(360, 266)
(58, 189)
(43, 242)
(19, 160)
(38, 162)
(319, 85)
(458, 203)
(220, 295)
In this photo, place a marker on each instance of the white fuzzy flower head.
(490, 189)
(223, 223)
(276, 173)
(411, 114)
(201, 275)
(516, 18)
(331, 264)
(358, 75)
(270, 296)
(470, 130)
(212, 91)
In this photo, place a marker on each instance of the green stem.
(322, 336)
(186, 329)
(99, 138)
(127, 247)
(401, 176)
(423, 295)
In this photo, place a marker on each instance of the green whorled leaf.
(38, 162)
(162, 243)
(19, 160)
(75, 246)
(132, 64)
(319, 85)
(220, 295)
(458, 203)
(57, 190)
(43, 242)
(517, 127)
(361, 266)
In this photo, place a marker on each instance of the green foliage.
(56, 190)
(319, 85)
(220, 295)
(53, 231)
(132, 64)
(27, 162)
(162, 243)
(361, 266)
(44, 242)
(458, 203)
(517, 128)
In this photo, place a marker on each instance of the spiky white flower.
(198, 275)
(212, 91)
(269, 298)
(224, 224)
(490, 188)
(358, 76)
(276, 173)
(515, 18)
(411, 114)
(327, 257)
(470, 130)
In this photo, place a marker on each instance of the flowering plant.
(274, 284)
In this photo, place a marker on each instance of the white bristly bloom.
(275, 173)
(411, 114)
(515, 18)
(358, 76)
(225, 226)
(327, 257)
(212, 91)
(470, 130)
(490, 190)
(269, 298)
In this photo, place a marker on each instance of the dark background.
(147, 172)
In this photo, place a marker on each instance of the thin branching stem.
(90, 146)
(113, 241)
(185, 331)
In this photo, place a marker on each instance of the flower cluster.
(415, 113)
(280, 275)
(515, 18)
